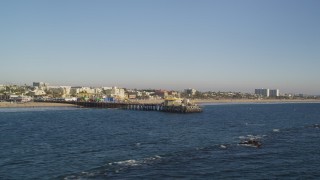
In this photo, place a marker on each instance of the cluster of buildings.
(67, 92)
(267, 92)
(43, 91)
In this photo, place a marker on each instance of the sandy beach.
(33, 104)
(213, 101)
(204, 101)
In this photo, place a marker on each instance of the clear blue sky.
(226, 45)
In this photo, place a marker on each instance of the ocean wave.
(114, 168)
(254, 124)
(267, 140)
(250, 136)
(132, 162)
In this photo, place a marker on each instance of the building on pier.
(172, 101)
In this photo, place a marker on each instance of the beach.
(33, 104)
(207, 101)
(204, 101)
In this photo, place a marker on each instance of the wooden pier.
(136, 106)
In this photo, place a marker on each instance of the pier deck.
(136, 106)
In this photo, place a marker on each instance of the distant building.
(274, 93)
(59, 91)
(173, 101)
(40, 85)
(97, 91)
(174, 94)
(2, 87)
(81, 91)
(262, 92)
(161, 93)
(17, 98)
(132, 95)
(190, 91)
(4, 97)
(106, 88)
(301, 95)
(37, 92)
(115, 92)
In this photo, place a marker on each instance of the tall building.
(40, 85)
(274, 93)
(262, 92)
(190, 91)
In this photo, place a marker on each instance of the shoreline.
(197, 101)
(33, 105)
(255, 101)
(228, 101)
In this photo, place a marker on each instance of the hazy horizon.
(206, 45)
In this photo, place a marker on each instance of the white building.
(20, 98)
(115, 92)
(262, 92)
(2, 87)
(106, 88)
(60, 91)
(40, 85)
(79, 90)
(85, 91)
(190, 91)
(97, 90)
(37, 92)
(274, 92)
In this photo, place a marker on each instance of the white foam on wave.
(223, 146)
(130, 162)
(250, 136)
(113, 167)
(133, 162)
(276, 130)
(116, 167)
(247, 145)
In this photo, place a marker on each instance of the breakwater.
(136, 106)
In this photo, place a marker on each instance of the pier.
(136, 106)
(163, 108)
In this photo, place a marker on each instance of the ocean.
(78, 143)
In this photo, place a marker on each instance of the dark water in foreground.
(57, 143)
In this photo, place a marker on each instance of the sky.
(216, 45)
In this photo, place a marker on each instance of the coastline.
(33, 104)
(248, 101)
(228, 101)
(197, 101)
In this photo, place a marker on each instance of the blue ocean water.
(71, 143)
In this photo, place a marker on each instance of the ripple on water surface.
(71, 143)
